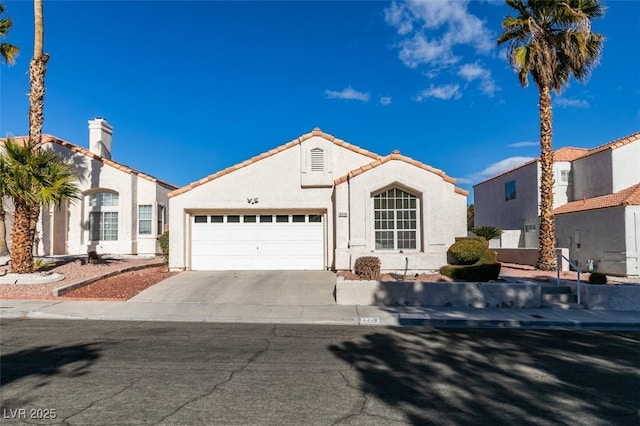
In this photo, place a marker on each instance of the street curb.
(57, 292)
(515, 324)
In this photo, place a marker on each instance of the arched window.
(103, 216)
(395, 220)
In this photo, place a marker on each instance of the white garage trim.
(250, 241)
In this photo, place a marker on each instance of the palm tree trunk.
(37, 70)
(4, 249)
(546, 249)
(22, 245)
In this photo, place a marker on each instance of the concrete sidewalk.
(323, 314)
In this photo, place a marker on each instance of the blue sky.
(193, 87)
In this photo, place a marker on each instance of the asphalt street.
(148, 373)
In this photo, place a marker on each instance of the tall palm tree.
(37, 70)
(8, 52)
(34, 177)
(4, 249)
(551, 40)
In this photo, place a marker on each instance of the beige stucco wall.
(94, 175)
(442, 215)
(491, 208)
(599, 235)
(281, 183)
(276, 182)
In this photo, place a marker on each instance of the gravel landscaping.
(120, 287)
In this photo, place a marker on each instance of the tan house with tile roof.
(121, 210)
(317, 203)
(596, 205)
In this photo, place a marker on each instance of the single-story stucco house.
(317, 203)
(120, 211)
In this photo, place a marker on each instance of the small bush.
(487, 232)
(367, 268)
(163, 240)
(482, 272)
(466, 251)
(597, 278)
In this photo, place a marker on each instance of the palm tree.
(8, 52)
(37, 70)
(34, 178)
(4, 249)
(551, 40)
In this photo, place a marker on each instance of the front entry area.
(225, 242)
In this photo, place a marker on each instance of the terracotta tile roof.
(615, 144)
(572, 153)
(52, 139)
(568, 153)
(290, 144)
(627, 197)
(396, 156)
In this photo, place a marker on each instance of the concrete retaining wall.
(477, 295)
(611, 297)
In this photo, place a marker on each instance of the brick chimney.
(100, 137)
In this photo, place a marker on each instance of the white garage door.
(257, 242)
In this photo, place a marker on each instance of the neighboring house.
(120, 210)
(317, 202)
(596, 205)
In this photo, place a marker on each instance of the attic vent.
(317, 160)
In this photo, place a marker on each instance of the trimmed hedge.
(483, 272)
(466, 251)
(367, 268)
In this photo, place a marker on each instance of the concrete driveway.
(245, 288)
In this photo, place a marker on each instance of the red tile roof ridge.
(559, 154)
(626, 197)
(297, 141)
(48, 138)
(617, 143)
(395, 156)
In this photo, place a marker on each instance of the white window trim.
(101, 209)
(151, 234)
(419, 221)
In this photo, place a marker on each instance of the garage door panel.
(260, 245)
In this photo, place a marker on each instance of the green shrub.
(163, 240)
(367, 268)
(597, 278)
(466, 251)
(482, 272)
(487, 232)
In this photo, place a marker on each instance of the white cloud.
(499, 167)
(475, 71)
(437, 27)
(385, 100)
(571, 103)
(431, 32)
(445, 92)
(349, 94)
(464, 181)
(523, 144)
(419, 50)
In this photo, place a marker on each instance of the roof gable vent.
(317, 160)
